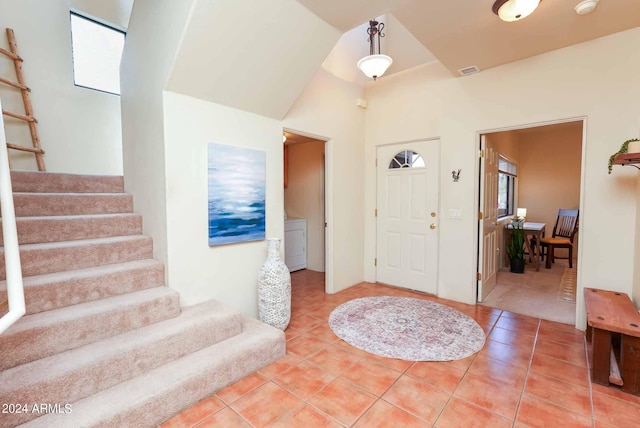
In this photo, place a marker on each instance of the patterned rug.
(568, 284)
(407, 329)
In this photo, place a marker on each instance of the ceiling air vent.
(473, 69)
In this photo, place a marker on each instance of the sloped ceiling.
(258, 55)
(461, 33)
(407, 51)
(253, 55)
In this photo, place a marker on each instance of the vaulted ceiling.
(462, 33)
(258, 56)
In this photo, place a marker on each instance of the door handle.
(433, 226)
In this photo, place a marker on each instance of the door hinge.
(481, 154)
(479, 276)
(480, 216)
(375, 261)
(376, 212)
(376, 161)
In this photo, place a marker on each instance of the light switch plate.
(455, 214)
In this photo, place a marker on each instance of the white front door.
(407, 215)
(488, 242)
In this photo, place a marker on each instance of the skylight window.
(97, 49)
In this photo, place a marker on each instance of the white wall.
(597, 80)
(79, 128)
(304, 196)
(143, 75)
(112, 12)
(165, 136)
(227, 273)
(327, 108)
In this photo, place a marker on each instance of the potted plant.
(515, 247)
(624, 148)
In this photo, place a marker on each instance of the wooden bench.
(611, 315)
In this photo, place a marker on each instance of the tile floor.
(530, 373)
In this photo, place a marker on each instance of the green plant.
(623, 149)
(515, 246)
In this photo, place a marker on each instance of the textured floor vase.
(274, 288)
(406, 328)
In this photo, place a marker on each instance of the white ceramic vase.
(274, 288)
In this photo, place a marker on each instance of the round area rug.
(407, 329)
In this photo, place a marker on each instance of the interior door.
(407, 215)
(488, 243)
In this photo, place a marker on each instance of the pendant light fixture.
(514, 10)
(375, 64)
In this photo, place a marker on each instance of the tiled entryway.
(530, 373)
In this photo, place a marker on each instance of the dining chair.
(562, 237)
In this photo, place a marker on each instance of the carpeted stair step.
(38, 259)
(47, 333)
(158, 394)
(35, 230)
(52, 204)
(60, 289)
(44, 182)
(84, 371)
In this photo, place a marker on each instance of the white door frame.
(399, 144)
(580, 314)
(328, 206)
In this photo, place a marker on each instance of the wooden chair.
(563, 233)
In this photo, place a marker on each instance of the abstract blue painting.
(236, 194)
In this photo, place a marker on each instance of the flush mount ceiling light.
(514, 10)
(586, 6)
(374, 65)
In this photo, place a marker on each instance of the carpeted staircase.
(104, 341)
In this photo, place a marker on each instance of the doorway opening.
(306, 230)
(544, 175)
(407, 241)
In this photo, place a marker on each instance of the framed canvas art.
(236, 194)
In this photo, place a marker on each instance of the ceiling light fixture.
(374, 65)
(586, 6)
(514, 10)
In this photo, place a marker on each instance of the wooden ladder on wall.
(28, 117)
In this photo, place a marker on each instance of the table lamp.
(521, 213)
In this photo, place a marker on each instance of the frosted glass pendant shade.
(374, 66)
(514, 10)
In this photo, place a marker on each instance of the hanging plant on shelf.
(624, 148)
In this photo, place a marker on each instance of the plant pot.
(633, 147)
(517, 265)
